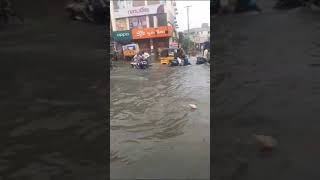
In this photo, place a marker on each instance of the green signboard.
(122, 36)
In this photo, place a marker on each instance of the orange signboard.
(148, 33)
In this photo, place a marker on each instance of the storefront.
(144, 45)
(151, 23)
(121, 38)
(161, 43)
(152, 39)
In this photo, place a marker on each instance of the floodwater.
(154, 132)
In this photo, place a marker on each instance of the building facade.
(199, 35)
(149, 23)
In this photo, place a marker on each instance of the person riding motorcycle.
(140, 60)
(146, 56)
(136, 58)
(143, 63)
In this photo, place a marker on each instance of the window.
(120, 4)
(121, 24)
(151, 2)
(137, 3)
(162, 1)
(162, 20)
(151, 23)
(138, 22)
(129, 3)
(115, 5)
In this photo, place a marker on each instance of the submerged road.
(154, 133)
(267, 79)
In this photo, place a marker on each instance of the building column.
(148, 22)
(155, 21)
(112, 19)
(128, 25)
(151, 46)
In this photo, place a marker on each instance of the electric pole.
(188, 29)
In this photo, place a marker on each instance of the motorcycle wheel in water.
(140, 65)
(143, 64)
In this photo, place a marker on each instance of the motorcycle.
(140, 63)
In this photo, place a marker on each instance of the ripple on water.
(146, 112)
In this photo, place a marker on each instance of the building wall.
(199, 34)
(150, 20)
(128, 4)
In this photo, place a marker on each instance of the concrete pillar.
(128, 26)
(147, 19)
(112, 19)
(155, 21)
(151, 45)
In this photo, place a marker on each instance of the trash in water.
(193, 106)
(265, 143)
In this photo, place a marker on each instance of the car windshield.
(131, 47)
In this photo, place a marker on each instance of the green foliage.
(181, 37)
(187, 44)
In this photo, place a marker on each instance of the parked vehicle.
(130, 50)
(167, 55)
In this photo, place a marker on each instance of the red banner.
(149, 33)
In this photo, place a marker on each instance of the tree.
(187, 44)
(181, 37)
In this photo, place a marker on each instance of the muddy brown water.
(153, 129)
(269, 86)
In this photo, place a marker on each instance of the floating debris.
(193, 106)
(265, 143)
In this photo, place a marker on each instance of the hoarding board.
(149, 33)
(122, 36)
(139, 11)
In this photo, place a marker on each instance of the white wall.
(113, 23)
(169, 8)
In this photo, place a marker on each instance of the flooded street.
(153, 129)
(267, 71)
(52, 111)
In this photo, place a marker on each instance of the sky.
(199, 13)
